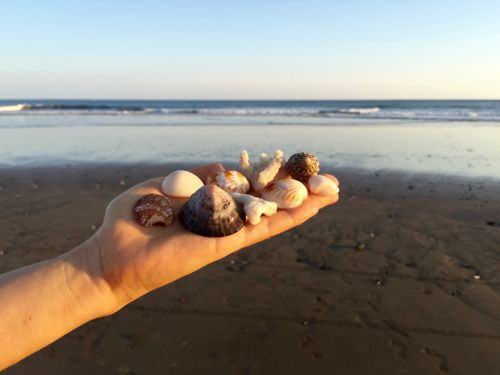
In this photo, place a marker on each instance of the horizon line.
(265, 99)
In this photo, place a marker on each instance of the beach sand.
(402, 276)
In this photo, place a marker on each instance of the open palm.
(134, 259)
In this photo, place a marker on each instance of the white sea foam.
(359, 111)
(271, 112)
(12, 108)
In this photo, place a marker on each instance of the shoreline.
(456, 150)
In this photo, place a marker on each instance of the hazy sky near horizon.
(379, 49)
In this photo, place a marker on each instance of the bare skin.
(120, 263)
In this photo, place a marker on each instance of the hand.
(134, 260)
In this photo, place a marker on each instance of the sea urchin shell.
(301, 166)
(154, 209)
(212, 212)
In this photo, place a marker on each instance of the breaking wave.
(12, 108)
(395, 110)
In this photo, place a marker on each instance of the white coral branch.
(263, 173)
(255, 207)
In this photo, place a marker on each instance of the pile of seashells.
(230, 198)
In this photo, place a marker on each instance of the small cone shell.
(322, 185)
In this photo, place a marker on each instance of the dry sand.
(402, 276)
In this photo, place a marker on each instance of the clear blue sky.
(250, 49)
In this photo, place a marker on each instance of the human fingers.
(284, 220)
(333, 178)
(273, 225)
(207, 170)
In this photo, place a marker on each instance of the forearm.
(44, 301)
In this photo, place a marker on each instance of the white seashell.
(255, 207)
(322, 185)
(230, 181)
(262, 173)
(181, 184)
(286, 193)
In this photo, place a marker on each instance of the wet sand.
(402, 276)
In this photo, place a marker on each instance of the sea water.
(446, 137)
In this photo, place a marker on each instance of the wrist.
(85, 282)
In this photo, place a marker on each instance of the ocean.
(444, 137)
(429, 110)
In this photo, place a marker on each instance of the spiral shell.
(230, 181)
(154, 209)
(286, 193)
(301, 166)
(212, 212)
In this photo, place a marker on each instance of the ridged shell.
(230, 181)
(212, 212)
(154, 209)
(301, 166)
(286, 193)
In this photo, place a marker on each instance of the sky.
(274, 49)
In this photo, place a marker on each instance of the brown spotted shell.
(154, 209)
(212, 212)
(301, 166)
(230, 181)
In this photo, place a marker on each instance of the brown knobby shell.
(302, 165)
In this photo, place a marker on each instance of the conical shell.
(212, 212)
(286, 193)
(230, 181)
